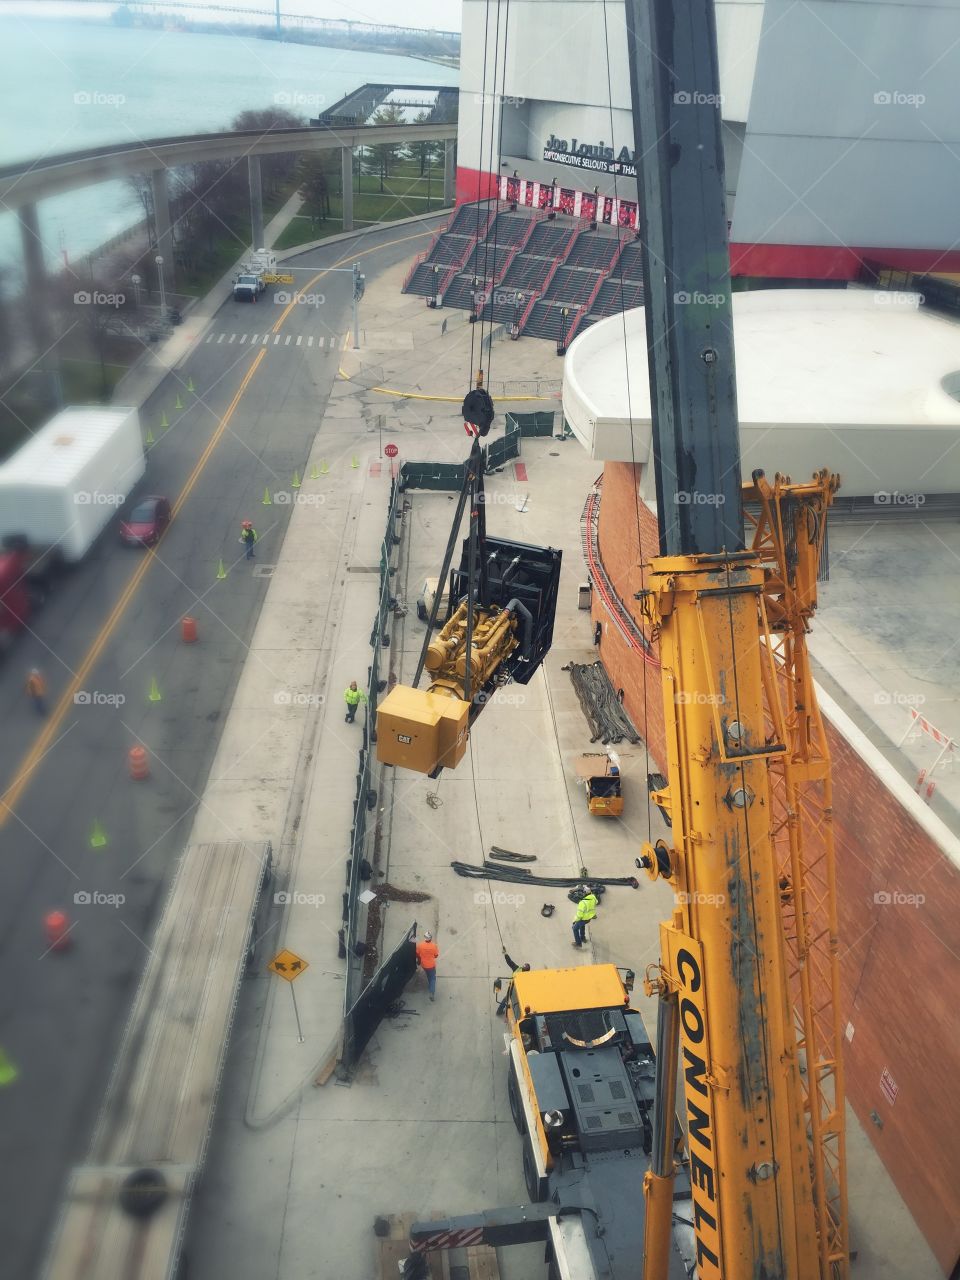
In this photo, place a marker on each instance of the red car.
(145, 523)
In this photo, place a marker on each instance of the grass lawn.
(403, 196)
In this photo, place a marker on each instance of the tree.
(98, 307)
(315, 185)
(280, 168)
(427, 153)
(385, 153)
(139, 184)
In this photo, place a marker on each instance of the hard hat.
(582, 888)
(428, 937)
(247, 524)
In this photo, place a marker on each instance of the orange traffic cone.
(57, 928)
(188, 630)
(139, 769)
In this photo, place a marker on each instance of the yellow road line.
(39, 748)
(42, 744)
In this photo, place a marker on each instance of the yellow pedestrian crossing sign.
(287, 965)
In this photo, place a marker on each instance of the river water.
(69, 85)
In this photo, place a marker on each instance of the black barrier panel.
(432, 475)
(386, 986)
(540, 423)
(499, 451)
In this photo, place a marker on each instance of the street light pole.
(163, 297)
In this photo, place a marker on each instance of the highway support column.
(346, 160)
(256, 201)
(161, 217)
(38, 310)
(449, 171)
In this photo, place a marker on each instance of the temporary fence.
(353, 943)
(541, 423)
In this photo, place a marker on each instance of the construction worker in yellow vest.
(352, 697)
(586, 911)
(249, 537)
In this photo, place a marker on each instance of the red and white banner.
(571, 201)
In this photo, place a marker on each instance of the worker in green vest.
(586, 911)
(352, 697)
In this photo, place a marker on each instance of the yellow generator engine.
(503, 600)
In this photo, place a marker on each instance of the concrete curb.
(285, 254)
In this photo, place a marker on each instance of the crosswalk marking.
(325, 343)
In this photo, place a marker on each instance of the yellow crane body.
(762, 1081)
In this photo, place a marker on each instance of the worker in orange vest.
(37, 691)
(427, 953)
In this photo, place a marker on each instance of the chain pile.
(604, 712)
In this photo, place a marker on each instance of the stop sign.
(390, 450)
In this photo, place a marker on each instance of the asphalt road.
(61, 1014)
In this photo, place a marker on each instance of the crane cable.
(483, 110)
(633, 452)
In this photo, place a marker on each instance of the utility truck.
(57, 493)
(254, 275)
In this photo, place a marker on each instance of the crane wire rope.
(633, 453)
(497, 109)
(483, 109)
(750, 880)
(476, 802)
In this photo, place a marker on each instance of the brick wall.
(900, 962)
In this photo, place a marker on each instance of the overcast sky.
(442, 14)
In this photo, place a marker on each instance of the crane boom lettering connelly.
(499, 627)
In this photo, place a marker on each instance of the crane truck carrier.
(581, 1082)
(57, 493)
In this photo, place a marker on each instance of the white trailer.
(61, 488)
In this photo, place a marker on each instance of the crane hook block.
(478, 409)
